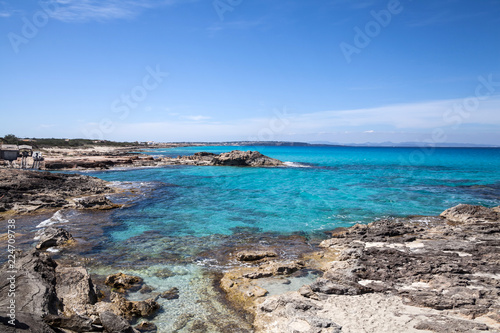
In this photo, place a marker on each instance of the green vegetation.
(63, 143)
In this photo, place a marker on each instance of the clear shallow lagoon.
(326, 187)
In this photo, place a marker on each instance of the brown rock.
(249, 255)
(121, 282)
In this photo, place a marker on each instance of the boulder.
(34, 288)
(52, 236)
(131, 309)
(75, 289)
(249, 255)
(74, 323)
(121, 282)
(245, 158)
(100, 202)
(115, 324)
(469, 214)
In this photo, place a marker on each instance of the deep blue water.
(326, 187)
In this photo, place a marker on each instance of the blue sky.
(202, 70)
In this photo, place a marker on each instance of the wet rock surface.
(23, 191)
(441, 274)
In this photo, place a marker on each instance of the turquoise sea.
(183, 221)
(323, 188)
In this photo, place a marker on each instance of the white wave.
(296, 165)
(58, 217)
(51, 249)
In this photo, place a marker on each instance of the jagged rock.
(469, 213)
(52, 236)
(249, 255)
(233, 158)
(450, 265)
(75, 289)
(245, 158)
(95, 202)
(27, 191)
(74, 323)
(34, 288)
(115, 324)
(274, 268)
(130, 309)
(121, 282)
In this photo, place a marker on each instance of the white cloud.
(195, 118)
(386, 122)
(103, 10)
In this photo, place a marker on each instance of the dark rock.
(95, 202)
(233, 158)
(52, 236)
(27, 191)
(73, 323)
(35, 292)
(115, 324)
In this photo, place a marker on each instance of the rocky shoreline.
(417, 275)
(92, 159)
(23, 191)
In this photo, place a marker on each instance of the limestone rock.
(249, 255)
(233, 158)
(52, 236)
(130, 309)
(75, 289)
(121, 282)
(469, 213)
